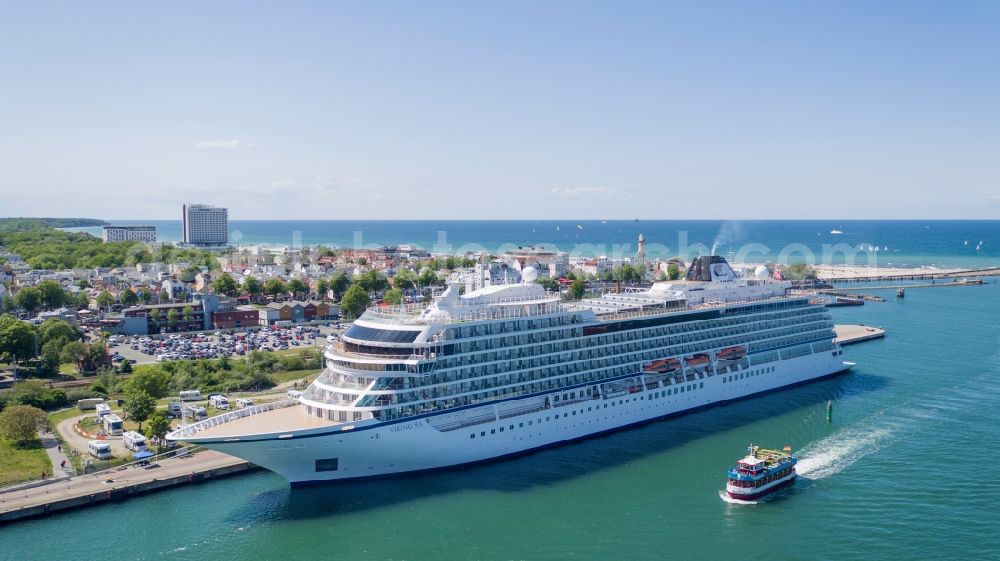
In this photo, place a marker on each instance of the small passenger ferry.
(760, 473)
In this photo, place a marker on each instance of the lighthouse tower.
(640, 255)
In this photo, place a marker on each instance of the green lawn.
(21, 463)
(68, 368)
(63, 414)
(280, 377)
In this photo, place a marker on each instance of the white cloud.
(591, 193)
(223, 145)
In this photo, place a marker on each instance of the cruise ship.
(510, 368)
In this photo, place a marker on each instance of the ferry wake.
(509, 368)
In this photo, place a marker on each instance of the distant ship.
(836, 231)
(509, 368)
(761, 473)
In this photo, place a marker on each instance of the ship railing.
(461, 424)
(659, 309)
(194, 428)
(534, 408)
(342, 350)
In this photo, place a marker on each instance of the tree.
(28, 299)
(274, 287)
(50, 356)
(128, 298)
(104, 300)
(57, 330)
(339, 284)
(51, 294)
(144, 295)
(551, 285)
(76, 353)
(108, 379)
(164, 295)
(429, 278)
(154, 381)
(405, 279)
(138, 405)
(188, 313)
(371, 281)
(17, 338)
(155, 315)
(297, 287)
(322, 286)
(661, 276)
(252, 287)
(673, 271)
(394, 296)
(354, 302)
(225, 284)
(21, 423)
(577, 288)
(799, 271)
(158, 425)
(172, 316)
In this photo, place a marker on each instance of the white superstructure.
(509, 368)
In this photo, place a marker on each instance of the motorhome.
(195, 412)
(294, 394)
(190, 395)
(103, 410)
(89, 403)
(134, 441)
(99, 449)
(218, 401)
(244, 402)
(174, 409)
(113, 424)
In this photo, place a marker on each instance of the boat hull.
(757, 494)
(412, 445)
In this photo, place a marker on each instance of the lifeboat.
(731, 353)
(663, 366)
(700, 359)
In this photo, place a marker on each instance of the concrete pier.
(850, 334)
(117, 485)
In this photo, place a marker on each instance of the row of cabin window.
(654, 395)
(740, 376)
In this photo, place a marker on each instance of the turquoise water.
(906, 243)
(902, 472)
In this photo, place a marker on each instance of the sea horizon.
(897, 243)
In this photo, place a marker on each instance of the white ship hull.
(414, 445)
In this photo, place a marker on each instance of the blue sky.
(336, 110)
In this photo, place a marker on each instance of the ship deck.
(285, 419)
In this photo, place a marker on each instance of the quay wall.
(120, 493)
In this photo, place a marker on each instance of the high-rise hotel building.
(206, 225)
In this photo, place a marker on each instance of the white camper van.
(113, 424)
(103, 410)
(99, 449)
(89, 403)
(294, 394)
(218, 401)
(134, 441)
(190, 395)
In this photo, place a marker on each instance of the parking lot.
(227, 342)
